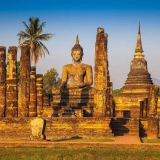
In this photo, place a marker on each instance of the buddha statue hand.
(80, 85)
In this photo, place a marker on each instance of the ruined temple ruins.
(87, 112)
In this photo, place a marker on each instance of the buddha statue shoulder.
(78, 74)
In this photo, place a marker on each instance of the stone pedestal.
(78, 102)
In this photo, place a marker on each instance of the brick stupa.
(136, 88)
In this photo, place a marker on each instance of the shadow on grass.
(80, 139)
(66, 139)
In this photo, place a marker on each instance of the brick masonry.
(33, 93)
(18, 128)
(2, 80)
(11, 88)
(24, 82)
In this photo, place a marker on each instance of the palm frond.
(44, 47)
(38, 52)
(40, 28)
(34, 24)
(45, 37)
(22, 36)
(33, 37)
(27, 28)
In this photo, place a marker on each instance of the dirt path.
(125, 141)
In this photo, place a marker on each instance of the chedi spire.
(139, 48)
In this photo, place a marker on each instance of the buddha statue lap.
(76, 98)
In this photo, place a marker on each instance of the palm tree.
(32, 36)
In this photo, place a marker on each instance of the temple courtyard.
(82, 121)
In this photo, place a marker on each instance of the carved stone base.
(73, 102)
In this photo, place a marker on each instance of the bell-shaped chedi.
(138, 76)
(136, 87)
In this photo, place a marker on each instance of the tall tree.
(51, 80)
(33, 37)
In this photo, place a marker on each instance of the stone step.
(122, 126)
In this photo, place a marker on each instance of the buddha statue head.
(77, 51)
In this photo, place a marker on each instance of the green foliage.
(51, 80)
(116, 92)
(32, 36)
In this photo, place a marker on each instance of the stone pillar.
(11, 89)
(2, 80)
(39, 85)
(103, 106)
(46, 101)
(33, 93)
(110, 99)
(153, 100)
(24, 82)
(153, 128)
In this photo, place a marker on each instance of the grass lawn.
(145, 140)
(59, 153)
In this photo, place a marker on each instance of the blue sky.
(68, 18)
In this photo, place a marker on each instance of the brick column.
(153, 128)
(39, 85)
(33, 93)
(2, 80)
(11, 89)
(46, 101)
(102, 85)
(24, 82)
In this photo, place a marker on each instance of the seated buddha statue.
(74, 93)
(78, 74)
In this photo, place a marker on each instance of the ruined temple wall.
(158, 107)
(127, 107)
(11, 89)
(19, 128)
(2, 81)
